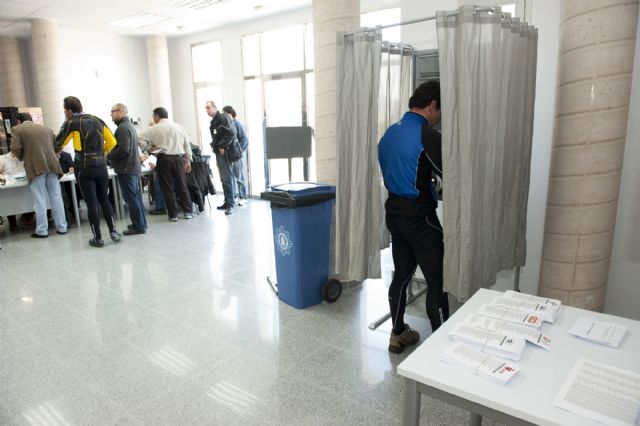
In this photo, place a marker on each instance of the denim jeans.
(240, 172)
(43, 186)
(130, 186)
(228, 180)
(158, 198)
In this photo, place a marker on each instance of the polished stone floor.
(178, 326)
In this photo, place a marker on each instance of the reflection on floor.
(178, 326)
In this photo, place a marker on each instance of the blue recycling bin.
(301, 215)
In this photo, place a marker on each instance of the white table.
(528, 398)
(16, 198)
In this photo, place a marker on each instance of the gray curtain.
(373, 84)
(356, 254)
(487, 75)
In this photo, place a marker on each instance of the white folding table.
(528, 398)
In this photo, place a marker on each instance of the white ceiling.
(173, 15)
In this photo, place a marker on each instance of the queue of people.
(39, 152)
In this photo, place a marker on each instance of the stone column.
(46, 55)
(11, 74)
(329, 16)
(597, 43)
(159, 79)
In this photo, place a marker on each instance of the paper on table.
(511, 315)
(605, 333)
(481, 364)
(547, 312)
(498, 344)
(151, 160)
(531, 298)
(601, 392)
(512, 329)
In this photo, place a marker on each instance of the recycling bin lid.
(298, 194)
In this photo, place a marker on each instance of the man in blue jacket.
(410, 155)
(240, 167)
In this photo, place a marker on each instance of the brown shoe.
(397, 342)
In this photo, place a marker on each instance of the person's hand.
(70, 169)
(187, 167)
(221, 151)
(152, 166)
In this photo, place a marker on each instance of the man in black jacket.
(126, 162)
(223, 134)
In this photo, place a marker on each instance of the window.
(278, 70)
(384, 17)
(206, 60)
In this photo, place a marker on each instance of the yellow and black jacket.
(91, 139)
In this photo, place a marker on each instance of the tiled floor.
(179, 327)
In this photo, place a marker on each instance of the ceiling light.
(194, 4)
(138, 21)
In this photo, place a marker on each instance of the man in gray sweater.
(126, 163)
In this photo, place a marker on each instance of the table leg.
(116, 197)
(74, 200)
(411, 409)
(475, 419)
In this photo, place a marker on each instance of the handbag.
(233, 151)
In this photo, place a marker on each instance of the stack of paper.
(511, 329)
(605, 333)
(601, 392)
(511, 315)
(498, 344)
(547, 312)
(481, 364)
(555, 303)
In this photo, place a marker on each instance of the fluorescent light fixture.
(194, 4)
(138, 21)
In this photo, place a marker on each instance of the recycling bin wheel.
(331, 290)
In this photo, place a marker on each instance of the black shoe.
(158, 212)
(225, 206)
(228, 211)
(130, 226)
(96, 242)
(133, 231)
(34, 235)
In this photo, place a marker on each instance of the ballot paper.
(512, 329)
(531, 298)
(489, 342)
(481, 364)
(547, 312)
(605, 333)
(511, 315)
(601, 392)
(150, 161)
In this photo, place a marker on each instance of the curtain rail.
(429, 18)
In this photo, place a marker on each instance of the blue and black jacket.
(410, 153)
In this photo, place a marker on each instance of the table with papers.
(527, 397)
(16, 198)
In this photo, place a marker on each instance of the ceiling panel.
(95, 15)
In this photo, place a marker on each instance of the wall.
(545, 16)
(233, 86)
(100, 69)
(623, 293)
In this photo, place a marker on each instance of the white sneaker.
(242, 202)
